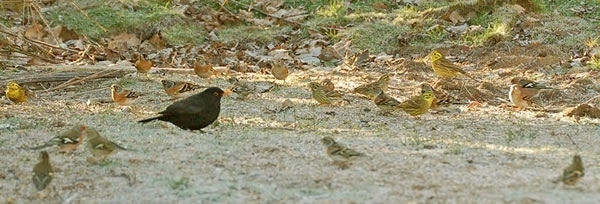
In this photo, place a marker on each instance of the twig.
(86, 15)
(38, 42)
(591, 99)
(572, 141)
(266, 14)
(97, 75)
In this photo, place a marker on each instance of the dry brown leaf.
(157, 42)
(455, 17)
(123, 42)
(584, 110)
(66, 34)
(35, 31)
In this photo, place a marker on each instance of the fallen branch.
(56, 77)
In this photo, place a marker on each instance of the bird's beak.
(226, 92)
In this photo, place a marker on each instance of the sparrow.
(386, 103)
(522, 91)
(194, 112)
(142, 65)
(203, 69)
(122, 96)
(371, 90)
(42, 171)
(339, 152)
(242, 88)
(323, 95)
(328, 84)
(420, 104)
(67, 141)
(279, 70)
(572, 173)
(99, 146)
(16, 93)
(175, 88)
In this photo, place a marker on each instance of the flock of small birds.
(202, 109)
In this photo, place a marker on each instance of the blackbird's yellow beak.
(226, 92)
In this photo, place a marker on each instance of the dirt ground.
(259, 152)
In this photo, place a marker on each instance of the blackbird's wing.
(185, 107)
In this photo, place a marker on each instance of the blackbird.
(195, 112)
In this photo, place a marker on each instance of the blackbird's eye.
(216, 93)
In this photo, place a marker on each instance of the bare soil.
(259, 152)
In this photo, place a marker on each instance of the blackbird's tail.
(150, 119)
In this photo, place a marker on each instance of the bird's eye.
(216, 93)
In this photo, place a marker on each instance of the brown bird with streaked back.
(339, 152)
(122, 96)
(175, 88)
(99, 146)
(328, 84)
(444, 67)
(572, 173)
(142, 65)
(68, 141)
(371, 90)
(386, 103)
(323, 95)
(203, 69)
(279, 70)
(42, 171)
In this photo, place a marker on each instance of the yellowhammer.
(572, 173)
(444, 67)
(371, 90)
(420, 104)
(16, 93)
(386, 103)
(322, 95)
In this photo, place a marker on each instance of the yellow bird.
(99, 146)
(42, 172)
(339, 152)
(322, 95)
(420, 104)
(371, 90)
(16, 93)
(573, 173)
(444, 67)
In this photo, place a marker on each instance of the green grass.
(378, 37)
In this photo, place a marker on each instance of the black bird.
(195, 112)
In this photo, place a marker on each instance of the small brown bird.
(142, 65)
(386, 103)
(100, 146)
(279, 70)
(572, 173)
(67, 141)
(322, 95)
(194, 112)
(122, 96)
(203, 69)
(522, 91)
(242, 88)
(339, 152)
(42, 171)
(175, 88)
(328, 84)
(371, 90)
(420, 104)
